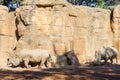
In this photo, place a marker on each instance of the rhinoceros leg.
(105, 61)
(48, 63)
(42, 63)
(26, 62)
(111, 61)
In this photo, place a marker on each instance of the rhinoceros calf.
(27, 55)
(106, 53)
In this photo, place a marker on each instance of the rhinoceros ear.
(103, 46)
(14, 53)
(95, 51)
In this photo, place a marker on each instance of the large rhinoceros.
(106, 53)
(27, 55)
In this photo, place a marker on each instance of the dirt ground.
(83, 72)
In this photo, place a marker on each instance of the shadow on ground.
(104, 72)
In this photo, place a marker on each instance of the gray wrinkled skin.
(106, 53)
(26, 56)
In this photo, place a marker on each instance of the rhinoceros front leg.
(42, 63)
(111, 61)
(48, 63)
(26, 62)
(105, 61)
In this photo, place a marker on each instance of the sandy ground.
(83, 72)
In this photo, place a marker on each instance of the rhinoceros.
(106, 53)
(26, 55)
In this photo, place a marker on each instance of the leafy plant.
(3, 2)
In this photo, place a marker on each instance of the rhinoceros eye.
(8, 59)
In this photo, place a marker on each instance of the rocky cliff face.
(116, 27)
(7, 33)
(61, 27)
(58, 26)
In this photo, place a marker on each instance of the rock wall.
(58, 26)
(116, 27)
(7, 34)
